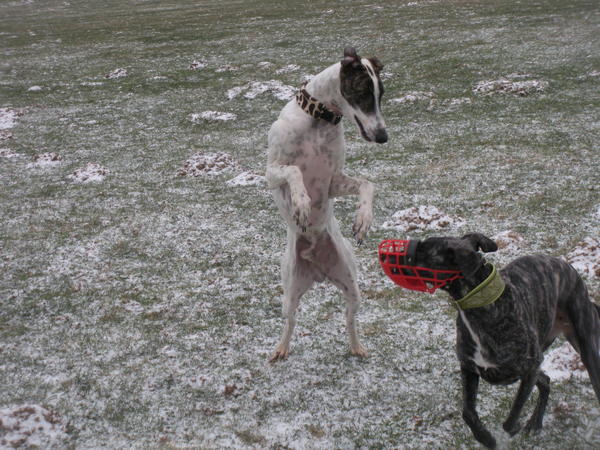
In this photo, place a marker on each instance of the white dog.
(305, 171)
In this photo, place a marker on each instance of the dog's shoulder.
(532, 276)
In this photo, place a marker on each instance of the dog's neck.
(460, 287)
(325, 87)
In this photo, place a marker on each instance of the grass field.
(141, 309)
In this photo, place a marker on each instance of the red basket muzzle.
(397, 258)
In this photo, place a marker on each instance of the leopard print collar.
(315, 108)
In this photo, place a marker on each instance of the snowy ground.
(139, 246)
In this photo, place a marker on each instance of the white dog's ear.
(481, 242)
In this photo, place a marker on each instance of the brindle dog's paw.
(533, 426)
(486, 438)
(511, 428)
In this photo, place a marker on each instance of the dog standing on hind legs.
(305, 172)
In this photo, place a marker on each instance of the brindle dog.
(505, 341)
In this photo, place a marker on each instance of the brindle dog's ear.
(376, 65)
(479, 241)
(351, 58)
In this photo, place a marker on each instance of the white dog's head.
(362, 90)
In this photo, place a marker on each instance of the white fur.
(305, 171)
(477, 357)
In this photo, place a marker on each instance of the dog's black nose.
(381, 137)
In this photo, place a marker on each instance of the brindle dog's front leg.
(535, 422)
(342, 184)
(470, 382)
(511, 424)
(277, 175)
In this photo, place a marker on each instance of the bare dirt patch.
(247, 179)
(511, 84)
(509, 241)
(47, 159)
(30, 426)
(421, 218)
(117, 73)
(91, 173)
(208, 164)
(585, 257)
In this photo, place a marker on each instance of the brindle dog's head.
(450, 253)
(362, 89)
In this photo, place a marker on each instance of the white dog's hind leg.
(337, 261)
(297, 277)
(351, 293)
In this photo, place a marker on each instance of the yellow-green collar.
(485, 294)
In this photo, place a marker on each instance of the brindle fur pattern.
(305, 171)
(505, 341)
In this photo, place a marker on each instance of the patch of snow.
(518, 76)
(255, 88)
(562, 363)
(30, 426)
(92, 83)
(586, 257)
(511, 84)
(7, 153)
(133, 307)
(509, 241)
(8, 118)
(457, 101)
(449, 104)
(287, 69)
(413, 97)
(265, 64)
(421, 218)
(47, 159)
(117, 73)
(212, 116)
(35, 88)
(169, 352)
(226, 68)
(247, 179)
(198, 65)
(91, 173)
(594, 73)
(208, 164)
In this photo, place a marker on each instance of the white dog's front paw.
(362, 223)
(301, 207)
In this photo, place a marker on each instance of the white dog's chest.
(318, 167)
